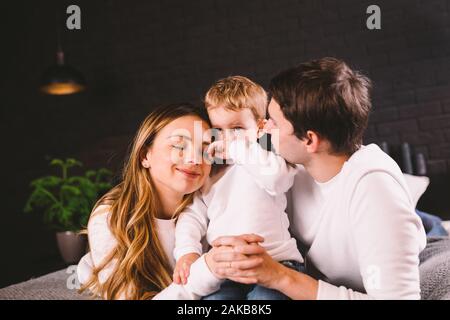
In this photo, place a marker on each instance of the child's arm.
(270, 171)
(202, 282)
(190, 229)
(183, 266)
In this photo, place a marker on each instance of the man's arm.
(386, 233)
(388, 237)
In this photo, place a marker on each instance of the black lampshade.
(62, 79)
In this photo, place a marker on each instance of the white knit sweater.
(361, 229)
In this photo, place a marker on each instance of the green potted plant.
(66, 203)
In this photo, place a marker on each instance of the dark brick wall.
(137, 54)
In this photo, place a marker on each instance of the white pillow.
(417, 186)
(446, 225)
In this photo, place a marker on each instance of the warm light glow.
(62, 88)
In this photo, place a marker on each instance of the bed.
(60, 285)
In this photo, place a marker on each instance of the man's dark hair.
(327, 97)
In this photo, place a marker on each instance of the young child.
(247, 196)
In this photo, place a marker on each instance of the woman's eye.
(179, 147)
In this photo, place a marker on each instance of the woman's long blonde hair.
(142, 268)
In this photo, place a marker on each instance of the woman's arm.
(101, 241)
(101, 244)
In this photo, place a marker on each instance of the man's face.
(284, 141)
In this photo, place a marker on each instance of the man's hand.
(181, 272)
(259, 267)
(223, 254)
(246, 262)
(242, 259)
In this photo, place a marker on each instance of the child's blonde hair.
(236, 93)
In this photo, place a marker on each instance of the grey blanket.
(434, 273)
(435, 269)
(53, 286)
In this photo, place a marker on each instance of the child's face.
(230, 122)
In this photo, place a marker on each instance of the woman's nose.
(194, 157)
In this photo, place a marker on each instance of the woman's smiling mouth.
(189, 173)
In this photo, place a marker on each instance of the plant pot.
(72, 246)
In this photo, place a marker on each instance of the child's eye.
(237, 129)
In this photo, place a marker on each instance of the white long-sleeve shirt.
(272, 176)
(102, 242)
(363, 234)
(248, 197)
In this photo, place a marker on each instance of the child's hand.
(181, 272)
(261, 125)
(218, 149)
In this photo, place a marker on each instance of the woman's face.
(175, 159)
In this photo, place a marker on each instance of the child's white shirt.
(247, 197)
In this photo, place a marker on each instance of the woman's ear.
(145, 158)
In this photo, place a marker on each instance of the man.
(350, 206)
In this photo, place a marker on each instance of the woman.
(131, 229)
